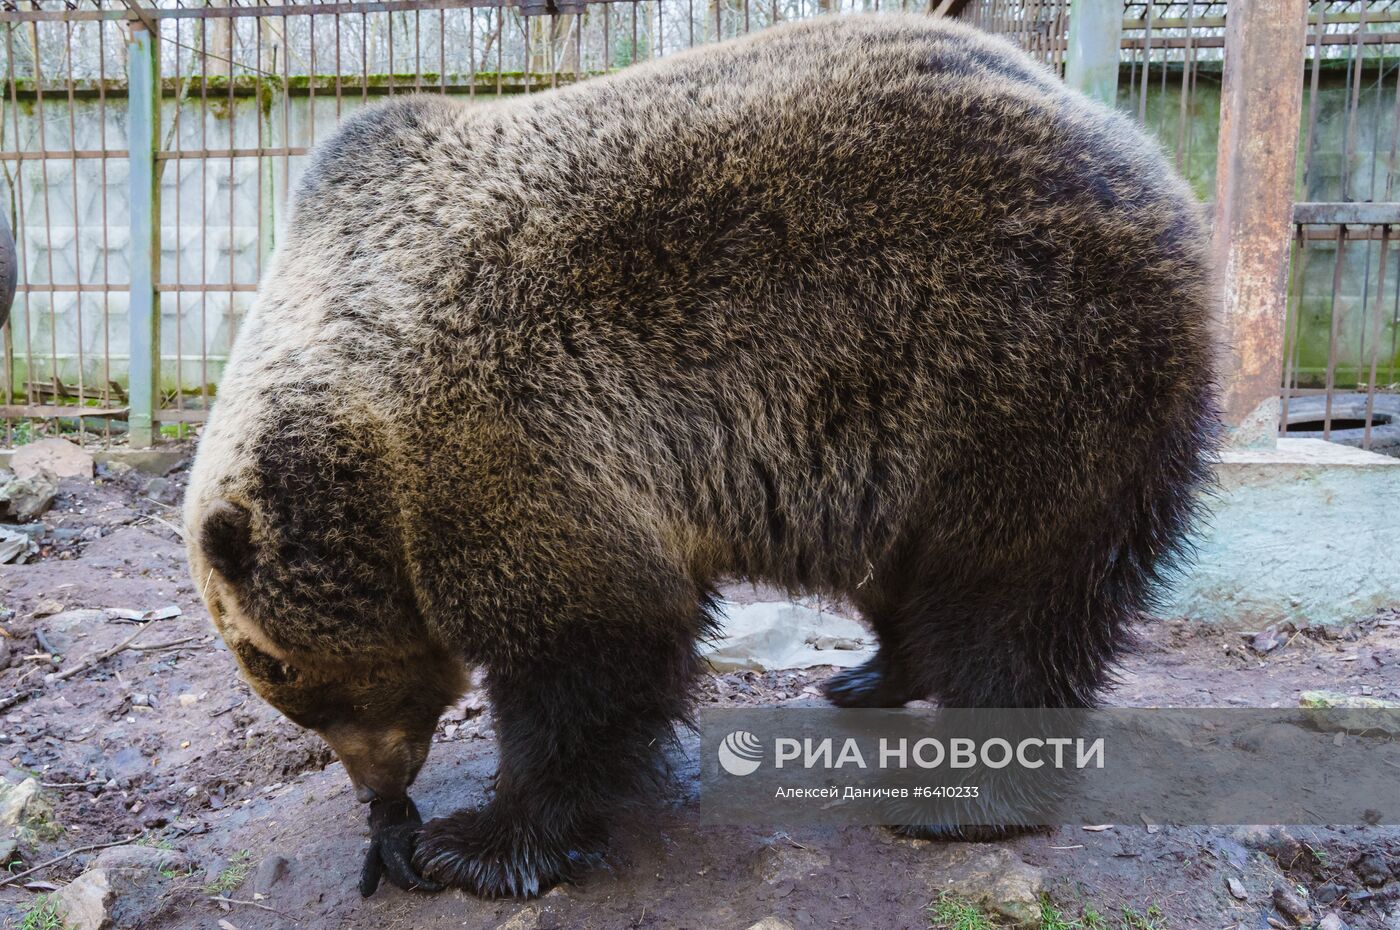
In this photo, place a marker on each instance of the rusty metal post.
(1260, 111)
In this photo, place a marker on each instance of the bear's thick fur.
(871, 306)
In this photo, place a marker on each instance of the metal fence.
(147, 153)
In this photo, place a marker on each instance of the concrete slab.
(149, 461)
(1308, 531)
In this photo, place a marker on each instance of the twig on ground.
(11, 879)
(172, 527)
(18, 696)
(69, 673)
(173, 644)
(71, 784)
(224, 900)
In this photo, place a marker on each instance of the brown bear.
(872, 306)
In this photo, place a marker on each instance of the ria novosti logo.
(740, 753)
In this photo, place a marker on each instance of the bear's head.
(295, 545)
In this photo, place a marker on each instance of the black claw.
(393, 829)
(371, 871)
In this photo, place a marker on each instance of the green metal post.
(1095, 34)
(143, 310)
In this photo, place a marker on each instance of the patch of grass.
(1151, 920)
(233, 874)
(953, 913)
(1052, 918)
(1091, 919)
(42, 916)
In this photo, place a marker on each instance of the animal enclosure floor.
(165, 742)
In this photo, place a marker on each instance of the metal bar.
(1375, 341)
(1261, 91)
(1339, 263)
(953, 9)
(1095, 33)
(143, 314)
(1334, 212)
(16, 411)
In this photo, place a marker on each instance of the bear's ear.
(226, 537)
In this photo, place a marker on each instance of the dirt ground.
(163, 743)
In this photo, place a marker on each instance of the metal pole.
(9, 268)
(1091, 63)
(143, 311)
(1260, 109)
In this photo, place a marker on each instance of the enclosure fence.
(147, 154)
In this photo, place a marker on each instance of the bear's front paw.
(496, 857)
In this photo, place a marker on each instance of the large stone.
(25, 811)
(84, 902)
(119, 890)
(20, 803)
(23, 499)
(988, 875)
(58, 456)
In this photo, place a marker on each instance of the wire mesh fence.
(242, 92)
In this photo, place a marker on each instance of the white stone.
(59, 456)
(780, 634)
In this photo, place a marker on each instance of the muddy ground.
(164, 744)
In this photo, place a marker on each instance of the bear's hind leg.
(882, 681)
(877, 682)
(581, 718)
(994, 643)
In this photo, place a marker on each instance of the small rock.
(47, 608)
(1326, 894)
(162, 490)
(1237, 889)
(59, 456)
(63, 630)
(1272, 637)
(113, 469)
(1291, 905)
(16, 547)
(781, 861)
(188, 700)
(990, 875)
(1372, 869)
(8, 848)
(149, 858)
(270, 871)
(525, 919)
(771, 923)
(1332, 922)
(1275, 841)
(24, 499)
